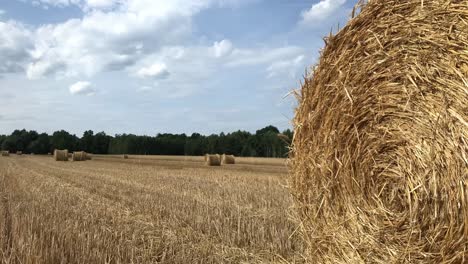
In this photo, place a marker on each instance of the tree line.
(266, 142)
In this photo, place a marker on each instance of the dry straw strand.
(379, 167)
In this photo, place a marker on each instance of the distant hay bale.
(5, 153)
(213, 160)
(19, 153)
(89, 156)
(61, 155)
(228, 159)
(125, 156)
(79, 156)
(379, 160)
(50, 154)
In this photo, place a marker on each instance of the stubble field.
(145, 210)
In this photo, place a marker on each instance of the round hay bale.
(19, 153)
(125, 156)
(79, 156)
(89, 156)
(61, 155)
(213, 160)
(379, 161)
(228, 159)
(5, 153)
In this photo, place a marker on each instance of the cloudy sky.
(150, 66)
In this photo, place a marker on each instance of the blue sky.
(155, 66)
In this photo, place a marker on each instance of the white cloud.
(15, 43)
(155, 71)
(82, 88)
(102, 4)
(113, 40)
(248, 57)
(222, 48)
(290, 67)
(321, 11)
(145, 89)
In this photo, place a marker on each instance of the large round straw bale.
(125, 156)
(19, 153)
(79, 156)
(213, 160)
(5, 153)
(61, 155)
(379, 158)
(228, 159)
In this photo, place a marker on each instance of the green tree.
(41, 145)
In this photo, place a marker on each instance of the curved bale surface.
(379, 161)
(213, 160)
(228, 159)
(79, 156)
(89, 156)
(61, 155)
(5, 153)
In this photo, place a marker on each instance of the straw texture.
(79, 156)
(213, 160)
(61, 155)
(379, 160)
(228, 159)
(5, 153)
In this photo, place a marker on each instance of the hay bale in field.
(19, 153)
(213, 160)
(88, 156)
(79, 156)
(5, 153)
(125, 156)
(228, 159)
(61, 155)
(379, 161)
(50, 154)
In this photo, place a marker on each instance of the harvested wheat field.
(111, 210)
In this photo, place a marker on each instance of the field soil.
(145, 210)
